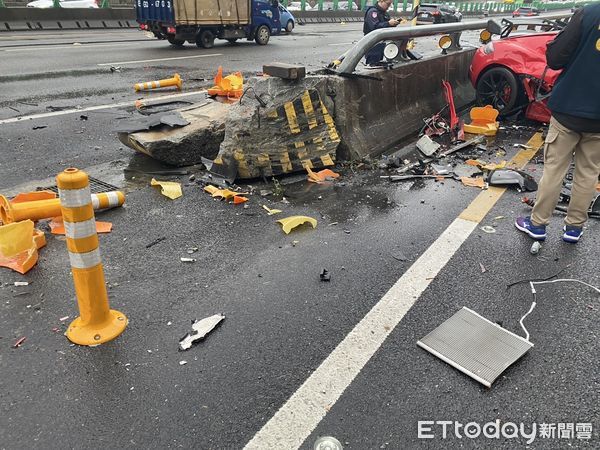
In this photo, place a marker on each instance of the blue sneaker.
(524, 224)
(572, 234)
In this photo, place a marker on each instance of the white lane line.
(74, 47)
(299, 416)
(94, 108)
(121, 63)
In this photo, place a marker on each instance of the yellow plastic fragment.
(19, 244)
(486, 166)
(170, 189)
(270, 211)
(474, 182)
(289, 223)
(483, 121)
(210, 189)
(322, 175)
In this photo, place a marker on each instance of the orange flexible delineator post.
(45, 209)
(174, 81)
(97, 323)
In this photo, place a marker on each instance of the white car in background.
(63, 4)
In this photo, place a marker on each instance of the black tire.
(500, 88)
(232, 41)
(205, 39)
(289, 26)
(176, 42)
(262, 35)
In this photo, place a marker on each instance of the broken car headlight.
(488, 48)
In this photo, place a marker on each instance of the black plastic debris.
(325, 275)
(200, 329)
(39, 127)
(155, 241)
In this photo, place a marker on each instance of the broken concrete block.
(185, 145)
(285, 71)
(278, 127)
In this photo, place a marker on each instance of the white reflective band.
(73, 198)
(85, 260)
(95, 201)
(80, 230)
(113, 199)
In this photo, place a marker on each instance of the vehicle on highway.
(526, 11)
(286, 18)
(63, 4)
(511, 73)
(200, 22)
(432, 13)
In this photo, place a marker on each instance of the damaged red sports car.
(511, 74)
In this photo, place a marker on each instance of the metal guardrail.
(353, 56)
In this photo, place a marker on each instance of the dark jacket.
(375, 18)
(575, 99)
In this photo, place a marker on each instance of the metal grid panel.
(475, 346)
(96, 187)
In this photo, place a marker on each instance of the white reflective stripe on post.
(74, 198)
(95, 201)
(113, 199)
(80, 230)
(85, 260)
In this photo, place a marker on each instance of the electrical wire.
(534, 293)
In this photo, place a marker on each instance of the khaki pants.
(561, 144)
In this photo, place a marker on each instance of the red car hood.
(524, 55)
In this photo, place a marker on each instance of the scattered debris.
(231, 86)
(523, 146)
(187, 260)
(114, 69)
(535, 248)
(483, 121)
(399, 256)
(484, 165)
(191, 250)
(289, 223)
(427, 146)
(270, 211)
(474, 182)
(285, 71)
(200, 329)
(39, 127)
(482, 267)
(83, 117)
(19, 342)
(442, 170)
(21, 283)
(237, 199)
(19, 245)
(156, 241)
(62, 319)
(488, 229)
(508, 177)
(170, 189)
(182, 362)
(325, 275)
(322, 175)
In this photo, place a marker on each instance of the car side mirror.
(494, 27)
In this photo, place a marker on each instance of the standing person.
(574, 126)
(377, 17)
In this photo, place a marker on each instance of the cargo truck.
(200, 22)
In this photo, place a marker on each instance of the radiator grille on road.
(475, 346)
(96, 187)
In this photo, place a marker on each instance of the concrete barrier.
(24, 19)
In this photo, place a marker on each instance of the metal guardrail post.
(55, 3)
(405, 5)
(395, 5)
(363, 4)
(320, 5)
(105, 4)
(2, 5)
(350, 5)
(302, 5)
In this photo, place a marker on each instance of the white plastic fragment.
(200, 329)
(21, 283)
(182, 363)
(188, 260)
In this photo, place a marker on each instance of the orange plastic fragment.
(474, 182)
(237, 199)
(19, 244)
(33, 196)
(321, 176)
(57, 226)
(229, 86)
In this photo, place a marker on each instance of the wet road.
(283, 324)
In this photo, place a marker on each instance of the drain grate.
(475, 346)
(96, 187)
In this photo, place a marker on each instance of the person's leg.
(585, 179)
(558, 153)
(375, 54)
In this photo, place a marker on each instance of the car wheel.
(176, 42)
(290, 26)
(498, 87)
(262, 35)
(206, 39)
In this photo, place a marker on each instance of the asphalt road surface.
(335, 358)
